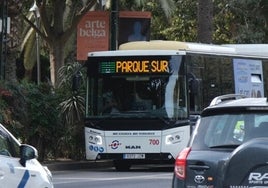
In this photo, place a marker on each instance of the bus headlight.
(90, 138)
(172, 139)
(169, 139)
(95, 139)
(98, 140)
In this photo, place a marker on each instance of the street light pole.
(114, 24)
(35, 10)
(3, 49)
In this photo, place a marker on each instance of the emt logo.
(115, 144)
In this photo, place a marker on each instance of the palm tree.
(13, 39)
(28, 50)
(59, 20)
(205, 18)
(57, 30)
(167, 5)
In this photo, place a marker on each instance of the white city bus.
(140, 98)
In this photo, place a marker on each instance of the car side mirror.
(27, 152)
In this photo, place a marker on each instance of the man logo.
(199, 179)
(133, 147)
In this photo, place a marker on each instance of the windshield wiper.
(226, 146)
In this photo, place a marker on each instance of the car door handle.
(199, 167)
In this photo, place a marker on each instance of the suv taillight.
(180, 163)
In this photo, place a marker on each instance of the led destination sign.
(144, 66)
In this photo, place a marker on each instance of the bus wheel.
(121, 165)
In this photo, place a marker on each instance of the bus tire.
(121, 165)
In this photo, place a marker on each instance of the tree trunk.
(205, 21)
(14, 40)
(56, 55)
(10, 68)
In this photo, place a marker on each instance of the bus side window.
(195, 85)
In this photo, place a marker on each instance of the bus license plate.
(134, 156)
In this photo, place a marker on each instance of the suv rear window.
(229, 130)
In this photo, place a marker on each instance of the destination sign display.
(136, 66)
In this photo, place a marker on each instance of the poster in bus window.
(248, 77)
(93, 33)
(134, 26)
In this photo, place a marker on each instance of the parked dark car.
(228, 148)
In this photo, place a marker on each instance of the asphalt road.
(62, 165)
(144, 176)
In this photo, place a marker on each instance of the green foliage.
(66, 74)
(72, 106)
(5, 95)
(40, 115)
(15, 111)
(166, 6)
(233, 22)
(29, 46)
(161, 10)
(159, 21)
(223, 27)
(250, 21)
(72, 110)
(45, 126)
(34, 116)
(182, 25)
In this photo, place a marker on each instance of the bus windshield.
(157, 90)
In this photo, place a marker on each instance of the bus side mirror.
(76, 82)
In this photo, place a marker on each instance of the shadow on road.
(146, 168)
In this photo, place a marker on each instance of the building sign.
(248, 77)
(134, 26)
(130, 66)
(93, 33)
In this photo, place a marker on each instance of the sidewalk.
(61, 165)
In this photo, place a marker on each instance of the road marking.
(65, 180)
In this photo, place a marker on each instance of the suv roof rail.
(227, 97)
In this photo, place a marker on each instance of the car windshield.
(230, 130)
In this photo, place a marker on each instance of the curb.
(76, 165)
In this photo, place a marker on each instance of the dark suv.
(228, 148)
